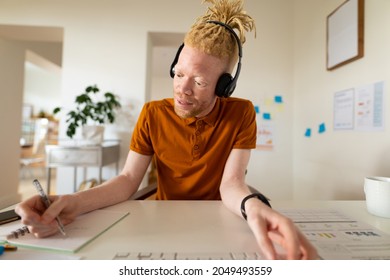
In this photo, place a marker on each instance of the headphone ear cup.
(174, 62)
(224, 85)
(172, 72)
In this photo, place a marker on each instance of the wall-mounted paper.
(265, 137)
(369, 107)
(343, 103)
(361, 108)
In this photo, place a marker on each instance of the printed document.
(337, 236)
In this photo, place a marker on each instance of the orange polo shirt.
(191, 153)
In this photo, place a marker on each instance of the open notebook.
(79, 233)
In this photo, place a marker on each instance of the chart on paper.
(337, 236)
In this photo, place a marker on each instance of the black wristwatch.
(259, 196)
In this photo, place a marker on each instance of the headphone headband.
(226, 83)
(232, 32)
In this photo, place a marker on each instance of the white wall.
(333, 165)
(106, 42)
(11, 87)
(161, 88)
(267, 67)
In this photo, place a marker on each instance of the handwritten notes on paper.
(82, 231)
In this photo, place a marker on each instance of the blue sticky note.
(321, 128)
(267, 116)
(257, 109)
(308, 132)
(278, 99)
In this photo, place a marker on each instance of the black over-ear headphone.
(226, 83)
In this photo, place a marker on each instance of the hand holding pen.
(46, 201)
(40, 218)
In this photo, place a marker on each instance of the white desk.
(170, 226)
(81, 156)
(197, 227)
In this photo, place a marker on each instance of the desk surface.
(172, 226)
(197, 227)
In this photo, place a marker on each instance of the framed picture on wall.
(345, 34)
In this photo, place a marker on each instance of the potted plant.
(91, 109)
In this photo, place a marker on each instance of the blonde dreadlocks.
(215, 39)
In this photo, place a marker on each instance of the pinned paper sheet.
(265, 137)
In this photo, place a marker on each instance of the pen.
(46, 201)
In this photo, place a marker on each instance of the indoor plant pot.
(91, 112)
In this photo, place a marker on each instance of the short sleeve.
(140, 140)
(246, 136)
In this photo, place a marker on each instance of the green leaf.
(83, 98)
(95, 89)
(56, 110)
(92, 88)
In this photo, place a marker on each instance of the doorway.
(41, 75)
(162, 50)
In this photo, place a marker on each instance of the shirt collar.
(209, 119)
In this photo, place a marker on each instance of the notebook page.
(79, 233)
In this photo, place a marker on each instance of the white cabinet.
(81, 156)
